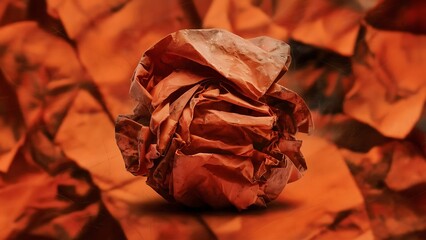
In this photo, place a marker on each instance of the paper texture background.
(66, 70)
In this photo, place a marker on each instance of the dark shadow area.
(159, 208)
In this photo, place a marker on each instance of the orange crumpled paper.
(212, 127)
(396, 90)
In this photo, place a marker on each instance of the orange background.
(65, 70)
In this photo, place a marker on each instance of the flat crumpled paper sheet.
(65, 70)
(396, 85)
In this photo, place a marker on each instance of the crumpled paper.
(409, 18)
(396, 89)
(122, 26)
(241, 17)
(212, 127)
(392, 180)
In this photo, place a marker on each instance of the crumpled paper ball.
(212, 127)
